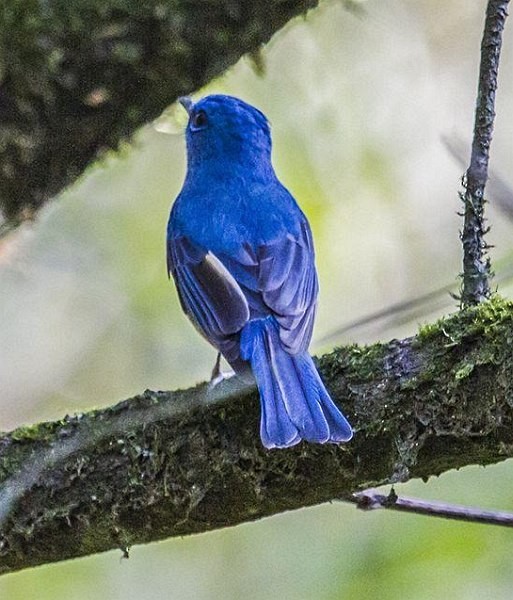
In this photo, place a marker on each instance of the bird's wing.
(208, 292)
(279, 277)
(219, 293)
(288, 283)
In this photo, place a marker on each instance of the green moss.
(80, 76)
(483, 318)
(141, 472)
(464, 371)
(360, 361)
(41, 432)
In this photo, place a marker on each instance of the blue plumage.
(241, 254)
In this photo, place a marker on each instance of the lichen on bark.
(79, 76)
(174, 463)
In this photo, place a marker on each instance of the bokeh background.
(359, 102)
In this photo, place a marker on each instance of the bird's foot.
(218, 375)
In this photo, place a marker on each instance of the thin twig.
(400, 313)
(429, 300)
(476, 265)
(500, 191)
(372, 499)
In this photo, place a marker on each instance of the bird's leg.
(218, 375)
(216, 371)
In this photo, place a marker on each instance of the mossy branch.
(79, 76)
(168, 464)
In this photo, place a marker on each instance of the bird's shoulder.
(222, 218)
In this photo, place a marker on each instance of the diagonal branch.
(79, 77)
(174, 463)
(476, 266)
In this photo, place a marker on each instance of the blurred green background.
(359, 103)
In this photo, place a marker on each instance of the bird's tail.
(295, 404)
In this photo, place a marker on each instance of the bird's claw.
(218, 375)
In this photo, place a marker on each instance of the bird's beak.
(187, 103)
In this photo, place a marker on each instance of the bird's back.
(228, 215)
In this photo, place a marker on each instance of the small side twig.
(476, 265)
(372, 499)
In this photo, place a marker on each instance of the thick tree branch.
(77, 77)
(476, 266)
(174, 463)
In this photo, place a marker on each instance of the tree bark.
(168, 464)
(476, 264)
(79, 76)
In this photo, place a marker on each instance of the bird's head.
(227, 130)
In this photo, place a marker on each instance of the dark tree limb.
(476, 265)
(168, 464)
(79, 76)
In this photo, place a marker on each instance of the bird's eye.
(199, 120)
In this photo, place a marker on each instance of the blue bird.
(241, 253)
